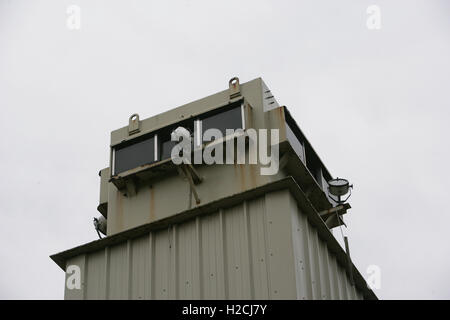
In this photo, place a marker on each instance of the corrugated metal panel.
(263, 248)
(95, 275)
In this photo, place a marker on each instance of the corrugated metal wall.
(261, 249)
(319, 275)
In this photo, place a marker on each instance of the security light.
(100, 225)
(339, 187)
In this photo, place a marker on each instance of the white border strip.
(155, 142)
(243, 115)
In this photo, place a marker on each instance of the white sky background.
(373, 103)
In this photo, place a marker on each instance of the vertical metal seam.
(318, 263)
(329, 263)
(326, 273)
(316, 257)
(249, 250)
(339, 280)
(295, 228)
(347, 284)
(175, 261)
(200, 257)
(308, 266)
(335, 270)
(224, 254)
(299, 255)
(107, 270)
(352, 290)
(171, 280)
(349, 287)
(345, 276)
(266, 247)
(355, 296)
(302, 255)
(322, 268)
(312, 266)
(336, 277)
(296, 246)
(343, 280)
(85, 277)
(151, 265)
(129, 268)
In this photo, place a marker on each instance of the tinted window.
(166, 149)
(164, 136)
(134, 155)
(230, 119)
(295, 143)
(140, 153)
(313, 164)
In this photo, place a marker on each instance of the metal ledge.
(129, 181)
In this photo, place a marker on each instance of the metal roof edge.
(306, 140)
(187, 108)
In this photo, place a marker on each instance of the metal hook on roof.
(234, 87)
(134, 124)
(233, 81)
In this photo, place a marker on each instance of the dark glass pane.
(164, 136)
(312, 163)
(166, 149)
(230, 119)
(134, 155)
(295, 142)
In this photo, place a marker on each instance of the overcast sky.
(373, 103)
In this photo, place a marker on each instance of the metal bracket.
(131, 188)
(330, 218)
(134, 125)
(341, 209)
(196, 178)
(193, 178)
(235, 88)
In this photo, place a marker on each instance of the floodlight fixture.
(339, 187)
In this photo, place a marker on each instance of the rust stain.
(242, 182)
(281, 114)
(119, 211)
(280, 111)
(236, 174)
(250, 116)
(253, 175)
(152, 204)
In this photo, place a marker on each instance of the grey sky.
(373, 103)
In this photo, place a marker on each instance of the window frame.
(158, 142)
